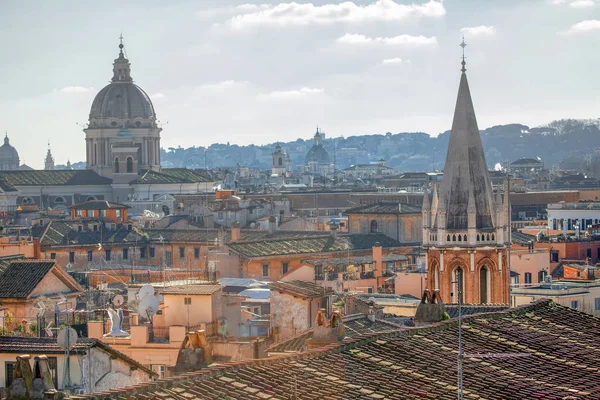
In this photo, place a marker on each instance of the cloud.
(576, 3)
(394, 61)
(223, 85)
(586, 26)
(211, 13)
(402, 40)
(74, 89)
(286, 14)
(157, 96)
(289, 94)
(582, 4)
(479, 31)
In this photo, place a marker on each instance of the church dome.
(9, 157)
(317, 153)
(122, 103)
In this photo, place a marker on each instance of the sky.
(258, 72)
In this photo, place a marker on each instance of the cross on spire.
(463, 63)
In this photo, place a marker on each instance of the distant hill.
(409, 151)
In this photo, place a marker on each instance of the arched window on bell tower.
(116, 165)
(484, 285)
(458, 282)
(129, 165)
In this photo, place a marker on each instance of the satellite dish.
(148, 307)
(146, 290)
(67, 338)
(69, 266)
(118, 300)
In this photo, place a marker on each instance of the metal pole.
(509, 219)
(460, 349)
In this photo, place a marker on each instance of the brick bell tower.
(464, 226)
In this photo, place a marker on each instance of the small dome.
(317, 154)
(9, 157)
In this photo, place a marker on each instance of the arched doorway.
(484, 285)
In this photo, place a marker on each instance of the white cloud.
(223, 85)
(576, 3)
(157, 96)
(289, 94)
(394, 61)
(589, 25)
(285, 14)
(479, 31)
(402, 40)
(75, 89)
(582, 3)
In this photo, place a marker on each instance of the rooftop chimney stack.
(235, 231)
(272, 225)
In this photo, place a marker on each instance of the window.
(159, 369)
(152, 252)
(91, 198)
(143, 253)
(53, 256)
(554, 256)
(589, 253)
(79, 228)
(59, 200)
(182, 252)
(169, 256)
(9, 372)
(220, 215)
(542, 276)
(574, 304)
(187, 301)
(118, 213)
(116, 169)
(265, 270)
(129, 165)
(196, 253)
(373, 226)
(597, 304)
(80, 213)
(125, 254)
(89, 213)
(95, 228)
(285, 267)
(71, 256)
(107, 254)
(528, 278)
(103, 213)
(90, 255)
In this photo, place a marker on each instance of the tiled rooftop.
(21, 277)
(52, 178)
(385, 208)
(171, 175)
(308, 245)
(542, 351)
(192, 289)
(98, 205)
(300, 289)
(33, 345)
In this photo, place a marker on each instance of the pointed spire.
(466, 172)
(434, 204)
(49, 161)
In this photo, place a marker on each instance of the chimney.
(272, 225)
(378, 259)
(326, 331)
(235, 231)
(371, 314)
(333, 230)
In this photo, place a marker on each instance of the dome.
(317, 152)
(122, 103)
(9, 157)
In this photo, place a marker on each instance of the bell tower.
(464, 225)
